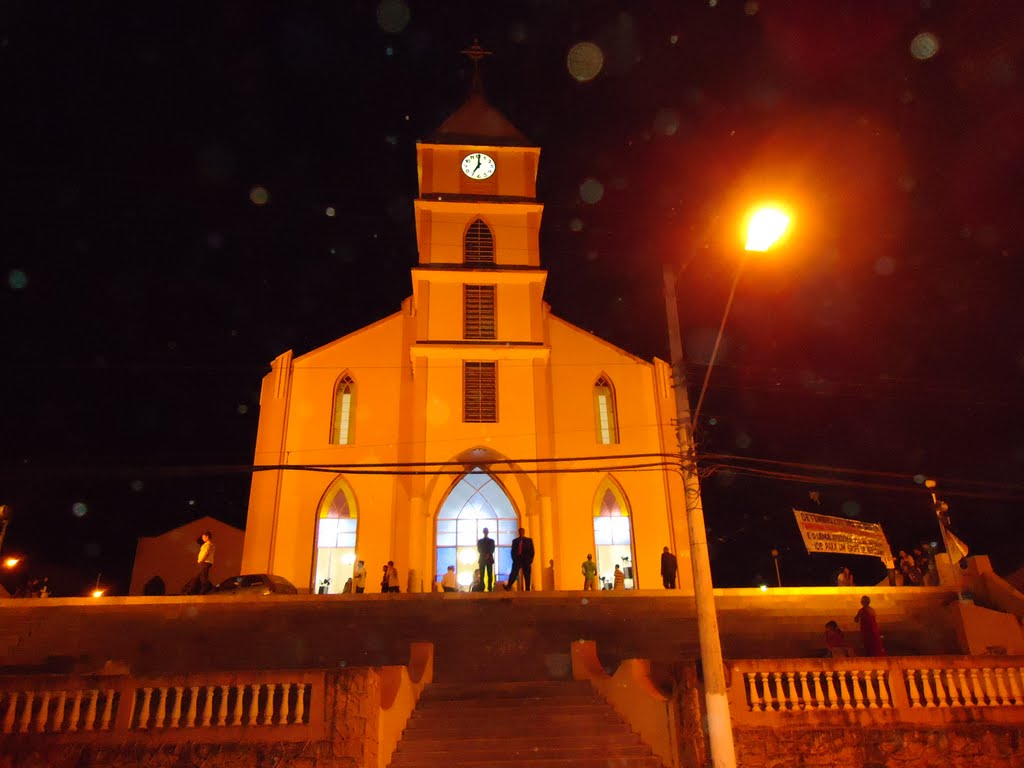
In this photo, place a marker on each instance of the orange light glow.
(98, 592)
(766, 226)
(10, 562)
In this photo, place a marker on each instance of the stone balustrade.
(117, 705)
(923, 688)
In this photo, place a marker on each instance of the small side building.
(172, 555)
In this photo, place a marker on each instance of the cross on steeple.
(476, 54)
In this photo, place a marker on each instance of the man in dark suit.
(669, 567)
(522, 560)
(485, 548)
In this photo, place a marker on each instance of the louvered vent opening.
(478, 303)
(480, 392)
(479, 245)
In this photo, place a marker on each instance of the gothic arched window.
(605, 420)
(341, 425)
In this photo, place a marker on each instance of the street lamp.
(762, 223)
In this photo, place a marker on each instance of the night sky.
(147, 283)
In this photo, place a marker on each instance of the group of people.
(523, 552)
(669, 571)
(913, 569)
(917, 568)
(870, 632)
(38, 587)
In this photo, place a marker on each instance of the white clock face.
(478, 166)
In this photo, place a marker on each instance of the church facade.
(472, 407)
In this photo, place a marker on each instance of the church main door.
(476, 502)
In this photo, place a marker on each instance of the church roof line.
(478, 122)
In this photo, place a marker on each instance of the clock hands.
(478, 160)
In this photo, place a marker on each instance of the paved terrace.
(496, 636)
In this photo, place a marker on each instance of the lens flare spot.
(575, 224)
(242, 409)
(924, 46)
(743, 440)
(666, 122)
(259, 195)
(17, 280)
(137, 485)
(591, 191)
(585, 61)
(751, 7)
(885, 266)
(331, 213)
(79, 509)
(673, 39)
(919, 479)
(851, 509)
(393, 16)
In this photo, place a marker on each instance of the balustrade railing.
(819, 689)
(988, 686)
(58, 711)
(208, 706)
(81, 705)
(767, 686)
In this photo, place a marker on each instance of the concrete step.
(580, 728)
(500, 709)
(539, 751)
(497, 761)
(423, 744)
(540, 689)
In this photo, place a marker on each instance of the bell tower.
(478, 286)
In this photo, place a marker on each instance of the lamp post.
(941, 508)
(723, 750)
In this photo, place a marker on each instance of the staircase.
(530, 724)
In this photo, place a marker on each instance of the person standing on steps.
(359, 577)
(485, 548)
(392, 577)
(669, 568)
(522, 560)
(620, 578)
(589, 573)
(205, 563)
(870, 632)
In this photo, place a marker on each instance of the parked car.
(256, 584)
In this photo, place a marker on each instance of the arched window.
(335, 538)
(341, 425)
(605, 419)
(613, 540)
(476, 502)
(478, 246)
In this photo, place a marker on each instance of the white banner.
(839, 535)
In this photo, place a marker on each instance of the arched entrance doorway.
(335, 538)
(613, 539)
(476, 502)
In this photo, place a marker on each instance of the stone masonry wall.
(963, 746)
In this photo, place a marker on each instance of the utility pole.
(723, 749)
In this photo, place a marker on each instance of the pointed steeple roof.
(477, 121)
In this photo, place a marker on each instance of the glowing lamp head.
(10, 562)
(98, 592)
(764, 587)
(767, 225)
